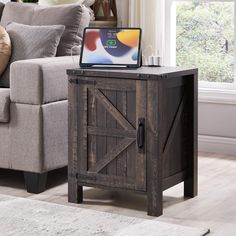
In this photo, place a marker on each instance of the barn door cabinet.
(133, 130)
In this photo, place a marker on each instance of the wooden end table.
(133, 130)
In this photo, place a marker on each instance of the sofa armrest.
(40, 81)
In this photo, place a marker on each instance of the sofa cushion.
(5, 49)
(30, 42)
(1, 9)
(4, 105)
(73, 16)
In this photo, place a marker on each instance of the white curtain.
(123, 12)
(149, 15)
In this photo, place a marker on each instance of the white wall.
(217, 122)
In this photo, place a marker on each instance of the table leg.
(75, 191)
(154, 151)
(154, 200)
(191, 183)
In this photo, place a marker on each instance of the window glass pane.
(205, 38)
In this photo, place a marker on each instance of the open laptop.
(111, 48)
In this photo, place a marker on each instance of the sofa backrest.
(74, 17)
(1, 9)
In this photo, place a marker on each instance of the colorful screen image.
(111, 46)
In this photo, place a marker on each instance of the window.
(201, 34)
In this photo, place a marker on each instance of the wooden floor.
(214, 208)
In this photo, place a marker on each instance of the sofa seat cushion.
(74, 17)
(4, 105)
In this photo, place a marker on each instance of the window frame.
(170, 46)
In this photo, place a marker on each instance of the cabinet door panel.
(110, 118)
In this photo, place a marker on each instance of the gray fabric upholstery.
(4, 105)
(4, 145)
(22, 146)
(35, 140)
(19, 13)
(40, 81)
(30, 42)
(55, 134)
(73, 16)
(1, 9)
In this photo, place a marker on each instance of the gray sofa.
(33, 110)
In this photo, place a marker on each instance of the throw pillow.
(30, 42)
(5, 49)
(74, 17)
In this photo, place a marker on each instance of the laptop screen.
(111, 46)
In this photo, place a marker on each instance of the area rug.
(25, 217)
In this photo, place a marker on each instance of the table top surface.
(143, 72)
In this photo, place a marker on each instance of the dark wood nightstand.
(133, 130)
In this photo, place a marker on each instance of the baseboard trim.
(217, 96)
(216, 144)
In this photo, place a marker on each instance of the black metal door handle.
(141, 133)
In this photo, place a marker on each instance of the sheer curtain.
(123, 12)
(149, 15)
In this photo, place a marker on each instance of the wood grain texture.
(118, 182)
(92, 120)
(154, 150)
(141, 113)
(113, 129)
(74, 190)
(115, 85)
(121, 162)
(174, 133)
(101, 141)
(191, 183)
(131, 116)
(112, 154)
(146, 157)
(174, 125)
(112, 110)
(82, 119)
(143, 73)
(113, 133)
